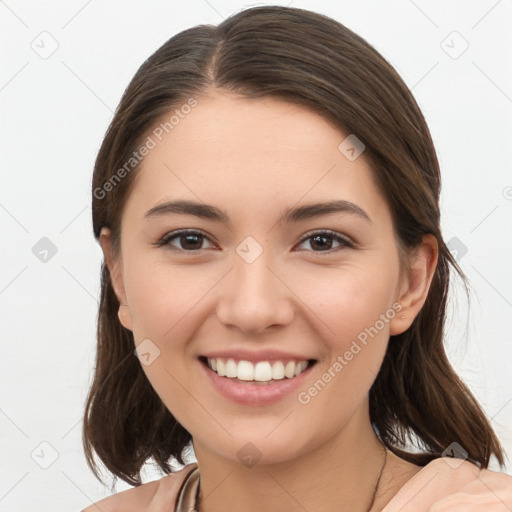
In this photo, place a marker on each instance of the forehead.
(254, 155)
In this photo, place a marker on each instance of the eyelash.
(165, 241)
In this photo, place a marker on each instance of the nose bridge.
(254, 298)
(253, 278)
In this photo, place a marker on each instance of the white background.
(55, 111)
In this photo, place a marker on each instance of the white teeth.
(221, 370)
(231, 369)
(245, 370)
(302, 365)
(262, 371)
(289, 369)
(278, 370)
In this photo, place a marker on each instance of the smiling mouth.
(262, 372)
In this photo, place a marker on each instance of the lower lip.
(254, 394)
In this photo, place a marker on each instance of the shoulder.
(447, 484)
(150, 497)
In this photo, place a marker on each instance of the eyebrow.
(296, 214)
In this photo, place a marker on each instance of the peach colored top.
(443, 485)
(453, 485)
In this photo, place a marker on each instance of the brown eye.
(323, 241)
(186, 241)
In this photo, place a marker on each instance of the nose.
(254, 297)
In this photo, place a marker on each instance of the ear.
(415, 284)
(116, 277)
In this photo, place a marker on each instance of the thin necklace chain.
(378, 479)
(374, 495)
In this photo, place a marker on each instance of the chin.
(264, 447)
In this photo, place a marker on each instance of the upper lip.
(262, 355)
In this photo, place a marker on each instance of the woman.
(267, 202)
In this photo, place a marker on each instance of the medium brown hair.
(311, 60)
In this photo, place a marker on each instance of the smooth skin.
(253, 159)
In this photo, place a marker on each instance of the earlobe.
(116, 278)
(124, 316)
(417, 284)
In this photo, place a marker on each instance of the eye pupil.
(322, 244)
(195, 240)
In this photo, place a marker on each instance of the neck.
(339, 475)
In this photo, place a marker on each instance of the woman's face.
(255, 281)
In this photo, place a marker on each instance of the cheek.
(349, 298)
(164, 297)
(356, 309)
(166, 301)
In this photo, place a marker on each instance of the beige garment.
(443, 485)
